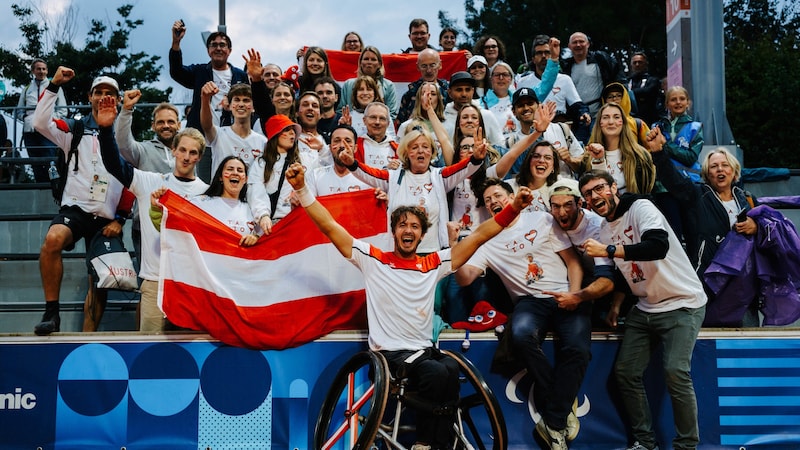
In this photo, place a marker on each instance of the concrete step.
(114, 319)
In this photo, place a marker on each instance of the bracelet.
(120, 219)
(305, 197)
(506, 216)
(539, 131)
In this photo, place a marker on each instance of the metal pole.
(222, 26)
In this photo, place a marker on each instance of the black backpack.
(59, 179)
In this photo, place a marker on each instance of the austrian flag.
(290, 288)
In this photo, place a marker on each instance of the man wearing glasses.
(428, 63)
(638, 240)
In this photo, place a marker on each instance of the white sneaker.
(637, 446)
(555, 439)
(420, 447)
(573, 424)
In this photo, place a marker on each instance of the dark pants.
(555, 386)
(434, 376)
(39, 146)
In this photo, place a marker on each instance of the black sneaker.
(45, 327)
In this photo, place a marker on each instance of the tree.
(104, 53)
(614, 25)
(762, 60)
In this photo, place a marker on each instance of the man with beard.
(568, 103)
(533, 256)
(638, 240)
(310, 141)
(400, 288)
(337, 178)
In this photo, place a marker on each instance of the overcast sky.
(276, 29)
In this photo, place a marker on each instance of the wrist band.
(305, 197)
(506, 216)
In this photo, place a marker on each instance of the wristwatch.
(611, 249)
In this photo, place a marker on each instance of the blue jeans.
(676, 331)
(555, 387)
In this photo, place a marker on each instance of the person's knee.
(53, 243)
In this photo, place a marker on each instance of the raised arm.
(340, 238)
(121, 170)
(438, 129)
(128, 147)
(541, 120)
(461, 253)
(206, 119)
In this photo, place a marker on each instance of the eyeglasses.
(351, 41)
(614, 97)
(489, 46)
(467, 147)
(542, 53)
(501, 75)
(218, 45)
(429, 66)
(419, 33)
(599, 189)
(538, 156)
(378, 118)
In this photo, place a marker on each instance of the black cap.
(523, 92)
(462, 77)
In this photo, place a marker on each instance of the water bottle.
(52, 172)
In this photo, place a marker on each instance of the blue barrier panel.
(187, 392)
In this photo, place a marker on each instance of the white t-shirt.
(143, 184)
(323, 156)
(503, 113)
(661, 285)
(325, 181)
(223, 79)
(613, 165)
(418, 191)
(563, 92)
(559, 137)
(233, 213)
(465, 211)
(400, 295)
(541, 197)
(228, 143)
(376, 154)
(258, 190)
(525, 256)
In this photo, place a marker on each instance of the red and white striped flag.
(290, 288)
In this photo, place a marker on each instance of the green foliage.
(105, 52)
(613, 25)
(762, 60)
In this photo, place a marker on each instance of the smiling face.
(447, 41)
(308, 112)
(282, 99)
(611, 121)
(478, 70)
(466, 148)
(39, 70)
(501, 79)
(469, 119)
(233, 178)
(369, 63)
(600, 196)
(219, 50)
(428, 63)
(327, 96)
(272, 75)
(166, 124)
(364, 95)
(525, 109)
(352, 43)
(376, 118)
(419, 37)
(677, 102)
(241, 107)
(491, 51)
(579, 46)
(315, 64)
(541, 165)
(407, 234)
(187, 153)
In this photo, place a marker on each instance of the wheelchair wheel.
(354, 406)
(482, 423)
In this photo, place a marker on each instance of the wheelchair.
(366, 408)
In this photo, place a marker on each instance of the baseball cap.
(105, 80)
(565, 186)
(462, 77)
(476, 58)
(523, 92)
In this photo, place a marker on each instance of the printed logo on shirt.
(535, 271)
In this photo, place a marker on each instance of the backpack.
(58, 178)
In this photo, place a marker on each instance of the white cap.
(105, 80)
(565, 186)
(476, 58)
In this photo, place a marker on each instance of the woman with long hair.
(365, 91)
(428, 114)
(226, 199)
(613, 147)
(268, 194)
(370, 64)
(315, 65)
(352, 42)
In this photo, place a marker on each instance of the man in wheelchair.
(400, 289)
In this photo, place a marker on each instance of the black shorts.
(83, 225)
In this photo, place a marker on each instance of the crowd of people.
(559, 194)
